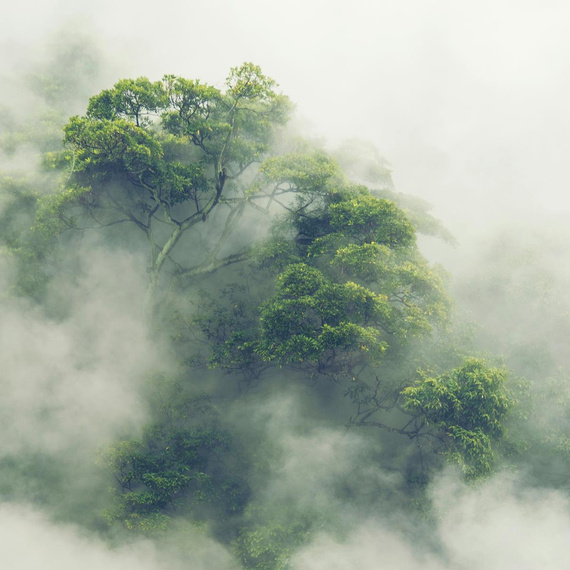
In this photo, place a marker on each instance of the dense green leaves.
(369, 219)
(164, 155)
(469, 406)
(311, 318)
(310, 172)
(132, 99)
(176, 462)
(354, 286)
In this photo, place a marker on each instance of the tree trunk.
(157, 266)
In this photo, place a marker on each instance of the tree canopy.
(164, 156)
(276, 263)
(347, 292)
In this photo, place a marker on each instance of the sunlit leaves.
(236, 125)
(367, 262)
(105, 148)
(132, 99)
(371, 219)
(248, 81)
(192, 109)
(299, 280)
(307, 172)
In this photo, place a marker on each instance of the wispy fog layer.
(73, 383)
(495, 527)
(29, 540)
(468, 101)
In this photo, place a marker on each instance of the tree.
(352, 294)
(164, 156)
(337, 297)
(350, 285)
(338, 293)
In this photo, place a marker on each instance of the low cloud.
(29, 541)
(496, 526)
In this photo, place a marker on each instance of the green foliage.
(310, 172)
(104, 148)
(175, 462)
(363, 164)
(310, 318)
(132, 99)
(277, 253)
(269, 546)
(417, 211)
(468, 406)
(342, 297)
(338, 290)
(162, 156)
(369, 219)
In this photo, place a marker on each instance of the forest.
(223, 339)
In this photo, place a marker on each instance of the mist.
(462, 106)
(492, 527)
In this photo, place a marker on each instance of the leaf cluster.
(350, 284)
(176, 462)
(468, 406)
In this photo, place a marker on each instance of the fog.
(494, 527)
(467, 102)
(29, 540)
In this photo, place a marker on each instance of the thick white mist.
(74, 383)
(468, 101)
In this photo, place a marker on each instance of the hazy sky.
(468, 100)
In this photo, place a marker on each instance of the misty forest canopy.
(330, 294)
(164, 156)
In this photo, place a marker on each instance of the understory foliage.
(332, 296)
(176, 464)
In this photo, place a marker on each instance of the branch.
(129, 215)
(233, 217)
(411, 435)
(100, 225)
(211, 266)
